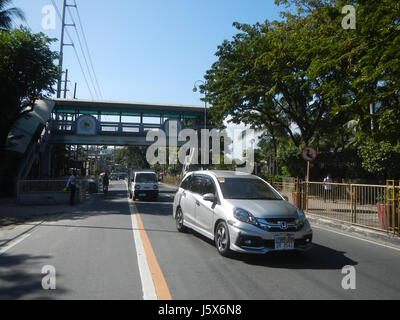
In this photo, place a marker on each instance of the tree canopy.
(27, 72)
(8, 14)
(306, 80)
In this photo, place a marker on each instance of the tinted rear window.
(247, 188)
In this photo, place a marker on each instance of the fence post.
(353, 204)
(390, 205)
(397, 219)
(306, 196)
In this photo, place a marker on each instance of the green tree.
(261, 80)
(364, 65)
(134, 156)
(306, 80)
(8, 14)
(27, 73)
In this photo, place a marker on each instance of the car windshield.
(247, 188)
(146, 177)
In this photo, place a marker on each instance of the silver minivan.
(240, 212)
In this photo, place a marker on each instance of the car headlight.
(155, 187)
(301, 217)
(244, 216)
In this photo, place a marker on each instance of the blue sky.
(149, 51)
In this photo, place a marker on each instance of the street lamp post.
(205, 101)
(205, 105)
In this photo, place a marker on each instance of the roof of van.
(144, 172)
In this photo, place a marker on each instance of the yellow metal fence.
(372, 206)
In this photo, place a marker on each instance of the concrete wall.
(46, 198)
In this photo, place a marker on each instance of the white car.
(143, 184)
(240, 212)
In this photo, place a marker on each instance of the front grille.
(276, 220)
(275, 224)
(278, 229)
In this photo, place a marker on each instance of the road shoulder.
(383, 238)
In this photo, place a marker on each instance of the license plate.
(142, 194)
(284, 242)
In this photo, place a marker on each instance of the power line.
(87, 48)
(73, 46)
(83, 53)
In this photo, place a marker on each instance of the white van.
(143, 184)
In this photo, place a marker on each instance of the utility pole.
(75, 91)
(65, 83)
(62, 44)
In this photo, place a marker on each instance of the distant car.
(122, 176)
(240, 212)
(143, 184)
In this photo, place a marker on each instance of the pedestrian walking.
(328, 187)
(106, 182)
(71, 185)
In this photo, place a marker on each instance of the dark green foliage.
(305, 80)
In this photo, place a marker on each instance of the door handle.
(197, 203)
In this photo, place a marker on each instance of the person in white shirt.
(328, 187)
(71, 184)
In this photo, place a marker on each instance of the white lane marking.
(350, 236)
(149, 291)
(13, 243)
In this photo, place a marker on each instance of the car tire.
(179, 221)
(222, 239)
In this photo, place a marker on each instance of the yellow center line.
(159, 281)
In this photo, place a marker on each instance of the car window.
(247, 188)
(197, 185)
(146, 178)
(186, 183)
(208, 186)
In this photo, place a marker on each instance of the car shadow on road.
(318, 258)
(16, 282)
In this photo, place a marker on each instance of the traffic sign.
(309, 154)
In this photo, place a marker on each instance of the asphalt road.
(96, 255)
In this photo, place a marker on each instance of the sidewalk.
(13, 213)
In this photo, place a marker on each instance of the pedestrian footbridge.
(84, 122)
(116, 123)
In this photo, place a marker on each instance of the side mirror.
(209, 197)
(286, 198)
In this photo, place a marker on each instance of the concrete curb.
(365, 233)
